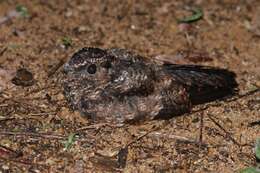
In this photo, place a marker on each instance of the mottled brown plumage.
(117, 86)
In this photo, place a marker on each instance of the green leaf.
(22, 10)
(250, 170)
(257, 148)
(70, 141)
(66, 41)
(197, 15)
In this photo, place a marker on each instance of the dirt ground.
(36, 122)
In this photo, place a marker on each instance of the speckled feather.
(118, 86)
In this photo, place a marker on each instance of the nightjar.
(118, 86)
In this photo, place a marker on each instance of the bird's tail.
(204, 83)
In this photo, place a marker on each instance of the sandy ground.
(35, 121)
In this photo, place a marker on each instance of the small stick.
(245, 94)
(176, 137)
(97, 126)
(6, 119)
(223, 129)
(141, 136)
(42, 114)
(23, 162)
(201, 128)
(3, 51)
(40, 135)
(10, 151)
(92, 126)
(55, 68)
(38, 90)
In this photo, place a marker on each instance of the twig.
(3, 51)
(55, 68)
(97, 126)
(39, 135)
(141, 136)
(201, 127)
(6, 119)
(43, 135)
(152, 133)
(42, 113)
(176, 137)
(189, 41)
(38, 90)
(92, 126)
(224, 130)
(23, 162)
(9, 151)
(4, 105)
(244, 95)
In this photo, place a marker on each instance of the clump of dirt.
(39, 133)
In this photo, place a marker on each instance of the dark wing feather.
(204, 83)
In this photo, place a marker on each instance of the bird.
(119, 86)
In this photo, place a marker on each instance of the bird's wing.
(204, 83)
(131, 73)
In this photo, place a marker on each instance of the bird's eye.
(92, 69)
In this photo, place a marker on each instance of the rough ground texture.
(35, 120)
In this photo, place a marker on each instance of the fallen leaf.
(23, 77)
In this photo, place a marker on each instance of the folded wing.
(202, 82)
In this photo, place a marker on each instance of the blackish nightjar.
(118, 86)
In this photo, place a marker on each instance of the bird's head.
(91, 64)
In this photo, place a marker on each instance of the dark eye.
(92, 69)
